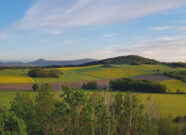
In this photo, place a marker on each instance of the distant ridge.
(43, 62)
(130, 59)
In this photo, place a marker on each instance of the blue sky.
(75, 29)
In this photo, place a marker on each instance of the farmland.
(15, 76)
(95, 72)
(169, 103)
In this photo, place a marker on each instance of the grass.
(173, 85)
(15, 76)
(173, 104)
(169, 103)
(7, 96)
(119, 71)
(97, 72)
(71, 74)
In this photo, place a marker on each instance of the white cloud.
(161, 28)
(60, 14)
(112, 35)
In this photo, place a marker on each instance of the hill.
(42, 62)
(130, 59)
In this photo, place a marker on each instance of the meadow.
(169, 103)
(95, 72)
(174, 85)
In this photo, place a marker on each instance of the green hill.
(130, 59)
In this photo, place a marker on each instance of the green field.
(7, 96)
(174, 85)
(169, 103)
(96, 72)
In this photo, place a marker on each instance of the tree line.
(44, 73)
(77, 112)
(127, 84)
(178, 74)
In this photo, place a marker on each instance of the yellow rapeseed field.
(14, 79)
(74, 68)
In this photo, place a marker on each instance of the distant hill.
(130, 59)
(12, 64)
(42, 62)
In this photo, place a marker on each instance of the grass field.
(7, 96)
(15, 76)
(169, 103)
(174, 85)
(96, 72)
(72, 74)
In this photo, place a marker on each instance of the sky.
(76, 29)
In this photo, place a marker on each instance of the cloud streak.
(60, 14)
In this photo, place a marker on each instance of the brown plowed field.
(54, 86)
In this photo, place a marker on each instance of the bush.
(179, 74)
(90, 85)
(137, 86)
(35, 87)
(42, 73)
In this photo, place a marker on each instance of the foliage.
(43, 73)
(167, 102)
(180, 75)
(24, 108)
(137, 85)
(35, 87)
(90, 85)
(10, 123)
(77, 112)
(177, 64)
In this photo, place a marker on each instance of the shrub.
(35, 87)
(90, 85)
